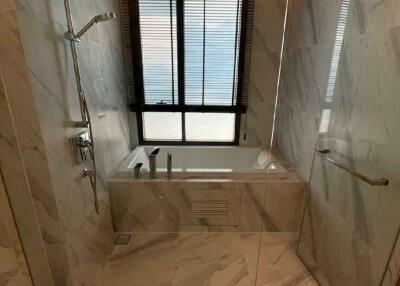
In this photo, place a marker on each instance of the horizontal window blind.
(212, 30)
(192, 54)
(159, 51)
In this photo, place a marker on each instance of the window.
(189, 61)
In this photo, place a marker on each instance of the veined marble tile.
(283, 206)
(372, 16)
(77, 240)
(20, 145)
(266, 43)
(214, 259)
(278, 263)
(363, 135)
(349, 226)
(302, 88)
(311, 23)
(13, 267)
(151, 206)
(392, 273)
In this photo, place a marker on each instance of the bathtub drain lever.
(169, 165)
(152, 162)
(137, 170)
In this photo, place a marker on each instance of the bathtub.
(211, 189)
(202, 161)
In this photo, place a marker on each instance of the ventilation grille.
(206, 208)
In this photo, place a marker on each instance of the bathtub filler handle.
(137, 170)
(169, 165)
(153, 162)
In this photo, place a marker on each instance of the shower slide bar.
(373, 182)
(85, 121)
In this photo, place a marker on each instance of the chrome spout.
(153, 162)
(155, 151)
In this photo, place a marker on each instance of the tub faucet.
(169, 165)
(137, 171)
(153, 162)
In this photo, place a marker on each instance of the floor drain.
(122, 239)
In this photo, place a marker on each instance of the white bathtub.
(189, 161)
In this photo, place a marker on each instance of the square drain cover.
(122, 239)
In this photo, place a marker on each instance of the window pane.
(212, 30)
(162, 126)
(159, 51)
(217, 127)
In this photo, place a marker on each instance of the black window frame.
(137, 67)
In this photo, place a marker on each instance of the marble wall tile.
(13, 267)
(298, 112)
(21, 149)
(310, 35)
(76, 240)
(349, 226)
(331, 243)
(264, 64)
(311, 23)
(370, 16)
(392, 273)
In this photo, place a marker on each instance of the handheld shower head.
(96, 19)
(104, 17)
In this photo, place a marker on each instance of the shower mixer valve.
(82, 147)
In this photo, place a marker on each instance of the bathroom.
(199, 142)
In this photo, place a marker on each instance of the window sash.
(180, 102)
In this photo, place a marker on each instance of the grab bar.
(373, 182)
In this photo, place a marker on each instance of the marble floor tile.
(278, 264)
(205, 259)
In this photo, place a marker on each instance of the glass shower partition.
(351, 218)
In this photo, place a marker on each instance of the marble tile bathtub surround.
(166, 206)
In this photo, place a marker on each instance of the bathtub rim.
(123, 172)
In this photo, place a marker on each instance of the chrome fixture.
(86, 144)
(92, 175)
(153, 162)
(82, 147)
(169, 165)
(138, 173)
(373, 182)
(69, 35)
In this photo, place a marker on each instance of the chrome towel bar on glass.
(373, 182)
